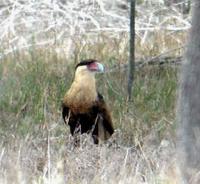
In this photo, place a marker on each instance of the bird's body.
(84, 109)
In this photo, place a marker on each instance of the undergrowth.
(33, 135)
(34, 87)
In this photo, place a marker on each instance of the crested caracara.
(83, 108)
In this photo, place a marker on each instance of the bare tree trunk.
(132, 50)
(188, 114)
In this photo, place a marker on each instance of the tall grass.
(32, 85)
(31, 88)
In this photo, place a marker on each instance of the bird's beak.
(100, 67)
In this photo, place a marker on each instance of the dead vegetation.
(36, 68)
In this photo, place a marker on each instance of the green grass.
(34, 136)
(34, 86)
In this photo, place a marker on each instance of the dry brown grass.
(55, 160)
(35, 146)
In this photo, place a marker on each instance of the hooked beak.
(100, 68)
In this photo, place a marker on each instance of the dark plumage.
(83, 108)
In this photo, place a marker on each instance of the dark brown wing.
(104, 115)
(97, 120)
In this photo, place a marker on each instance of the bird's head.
(89, 66)
(86, 70)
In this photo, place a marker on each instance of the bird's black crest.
(85, 62)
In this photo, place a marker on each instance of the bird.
(83, 107)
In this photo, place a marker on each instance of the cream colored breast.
(82, 93)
